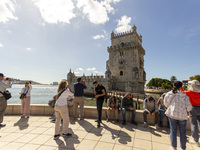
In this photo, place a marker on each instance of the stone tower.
(125, 66)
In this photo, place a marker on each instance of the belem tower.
(124, 68)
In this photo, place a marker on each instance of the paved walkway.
(37, 133)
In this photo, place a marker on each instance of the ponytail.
(177, 85)
(174, 90)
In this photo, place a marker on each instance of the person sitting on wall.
(127, 105)
(151, 108)
(113, 107)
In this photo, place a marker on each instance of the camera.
(7, 78)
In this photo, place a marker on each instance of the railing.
(137, 97)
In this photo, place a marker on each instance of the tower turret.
(70, 76)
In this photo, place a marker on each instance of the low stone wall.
(89, 112)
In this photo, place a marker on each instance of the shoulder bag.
(22, 96)
(6, 94)
(52, 102)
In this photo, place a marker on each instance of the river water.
(40, 94)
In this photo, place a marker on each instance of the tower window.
(121, 73)
(121, 53)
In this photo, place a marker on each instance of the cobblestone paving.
(36, 133)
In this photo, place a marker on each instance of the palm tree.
(173, 79)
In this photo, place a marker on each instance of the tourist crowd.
(175, 105)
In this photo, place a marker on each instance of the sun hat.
(194, 86)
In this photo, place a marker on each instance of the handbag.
(22, 96)
(6, 94)
(52, 102)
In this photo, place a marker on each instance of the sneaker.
(53, 121)
(172, 148)
(133, 122)
(192, 141)
(28, 116)
(67, 135)
(2, 125)
(56, 136)
(81, 118)
(145, 125)
(22, 116)
(157, 126)
(124, 123)
(98, 125)
(107, 120)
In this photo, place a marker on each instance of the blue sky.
(42, 39)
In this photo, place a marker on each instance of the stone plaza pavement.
(37, 133)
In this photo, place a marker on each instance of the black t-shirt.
(99, 89)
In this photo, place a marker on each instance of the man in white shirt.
(3, 102)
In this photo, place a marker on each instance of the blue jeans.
(194, 120)
(162, 114)
(124, 114)
(173, 132)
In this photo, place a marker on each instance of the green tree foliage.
(161, 83)
(196, 77)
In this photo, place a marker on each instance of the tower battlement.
(126, 37)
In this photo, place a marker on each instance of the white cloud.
(7, 8)
(97, 12)
(81, 69)
(28, 49)
(98, 37)
(91, 69)
(1, 45)
(54, 11)
(123, 24)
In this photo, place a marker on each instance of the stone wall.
(89, 112)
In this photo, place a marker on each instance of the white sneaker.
(192, 141)
(145, 125)
(171, 148)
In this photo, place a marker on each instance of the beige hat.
(194, 86)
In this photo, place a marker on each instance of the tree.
(161, 83)
(196, 77)
(173, 79)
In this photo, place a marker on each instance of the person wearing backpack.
(61, 109)
(25, 97)
(4, 84)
